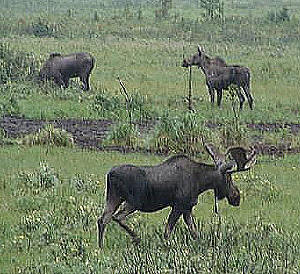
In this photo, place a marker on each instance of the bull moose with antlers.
(177, 183)
(220, 76)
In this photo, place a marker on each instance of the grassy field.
(49, 211)
(51, 196)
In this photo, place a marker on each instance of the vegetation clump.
(181, 134)
(15, 65)
(279, 16)
(41, 179)
(124, 135)
(49, 136)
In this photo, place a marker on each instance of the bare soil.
(91, 133)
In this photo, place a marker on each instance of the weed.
(39, 180)
(15, 65)
(124, 135)
(10, 105)
(183, 133)
(49, 136)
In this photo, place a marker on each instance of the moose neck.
(205, 65)
(207, 177)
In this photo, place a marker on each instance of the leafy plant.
(43, 28)
(10, 106)
(42, 179)
(107, 106)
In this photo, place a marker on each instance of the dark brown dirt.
(294, 128)
(86, 133)
(91, 133)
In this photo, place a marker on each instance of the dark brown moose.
(177, 183)
(221, 76)
(61, 68)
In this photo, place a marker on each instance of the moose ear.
(54, 54)
(200, 50)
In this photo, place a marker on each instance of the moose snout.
(185, 63)
(234, 199)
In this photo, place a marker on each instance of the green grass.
(51, 197)
(53, 227)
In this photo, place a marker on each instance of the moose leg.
(85, 81)
(249, 96)
(120, 216)
(219, 97)
(241, 97)
(111, 206)
(188, 219)
(58, 79)
(172, 220)
(216, 208)
(66, 82)
(211, 91)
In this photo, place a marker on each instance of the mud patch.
(294, 128)
(90, 134)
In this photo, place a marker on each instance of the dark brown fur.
(221, 76)
(177, 183)
(61, 68)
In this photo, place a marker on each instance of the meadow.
(52, 192)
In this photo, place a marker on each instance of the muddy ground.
(91, 133)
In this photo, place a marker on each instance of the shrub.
(43, 28)
(107, 106)
(10, 106)
(124, 135)
(279, 16)
(43, 178)
(15, 65)
(136, 109)
(180, 134)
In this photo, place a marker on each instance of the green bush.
(10, 106)
(35, 182)
(137, 108)
(180, 134)
(279, 16)
(15, 65)
(107, 106)
(124, 134)
(43, 28)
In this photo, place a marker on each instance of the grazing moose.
(177, 183)
(221, 76)
(61, 68)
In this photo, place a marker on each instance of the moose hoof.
(136, 240)
(195, 235)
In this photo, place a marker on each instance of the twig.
(127, 99)
(190, 89)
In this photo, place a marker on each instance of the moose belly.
(144, 198)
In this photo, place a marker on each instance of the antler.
(239, 155)
(213, 152)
